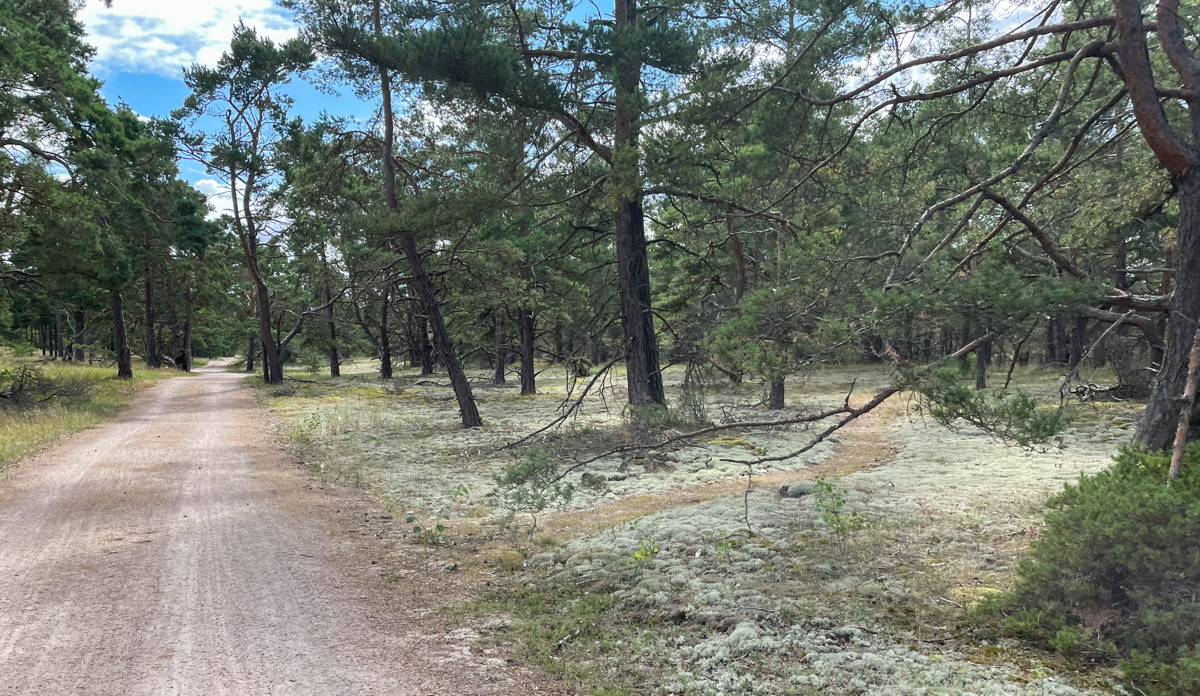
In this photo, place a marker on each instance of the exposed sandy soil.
(180, 551)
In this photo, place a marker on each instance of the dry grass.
(26, 431)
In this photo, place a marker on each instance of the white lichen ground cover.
(750, 594)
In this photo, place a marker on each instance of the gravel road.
(179, 551)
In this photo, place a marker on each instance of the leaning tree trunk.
(422, 283)
(1156, 430)
(643, 377)
(467, 408)
(120, 338)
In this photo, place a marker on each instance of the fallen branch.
(570, 410)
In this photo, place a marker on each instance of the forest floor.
(179, 550)
(672, 575)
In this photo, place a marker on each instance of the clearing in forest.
(847, 570)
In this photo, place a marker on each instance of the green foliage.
(1010, 416)
(1115, 572)
(647, 548)
(830, 502)
(532, 485)
(430, 534)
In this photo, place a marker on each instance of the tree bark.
(335, 369)
(185, 363)
(58, 330)
(982, 356)
(120, 338)
(424, 349)
(525, 338)
(79, 329)
(1189, 403)
(775, 400)
(739, 255)
(501, 348)
(69, 352)
(153, 358)
(467, 408)
(1076, 340)
(422, 283)
(1155, 430)
(272, 368)
(643, 377)
(385, 341)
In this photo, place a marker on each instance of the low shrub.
(1115, 574)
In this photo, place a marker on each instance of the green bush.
(1115, 575)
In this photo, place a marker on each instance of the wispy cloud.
(164, 36)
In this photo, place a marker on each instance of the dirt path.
(178, 551)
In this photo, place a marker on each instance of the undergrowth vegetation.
(1115, 574)
(660, 571)
(61, 398)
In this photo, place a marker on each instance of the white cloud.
(163, 36)
(218, 196)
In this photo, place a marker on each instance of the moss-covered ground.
(688, 570)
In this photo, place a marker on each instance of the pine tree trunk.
(335, 368)
(185, 363)
(153, 358)
(79, 331)
(633, 268)
(385, 341)
(423, 346)
(525, 329)
(250, 353)
(982, 356)
(468, 410)
(69, 353)
(739, 255)
(1156, 428)
(501, 349)
(1076, 340)
(422, 283)
(272, 367)
(58, 330)
(120, 338)
(775, 401)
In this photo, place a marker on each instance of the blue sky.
(142, 47)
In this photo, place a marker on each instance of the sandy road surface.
(177, 551)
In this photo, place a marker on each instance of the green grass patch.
(581, 635)
(25, 431)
